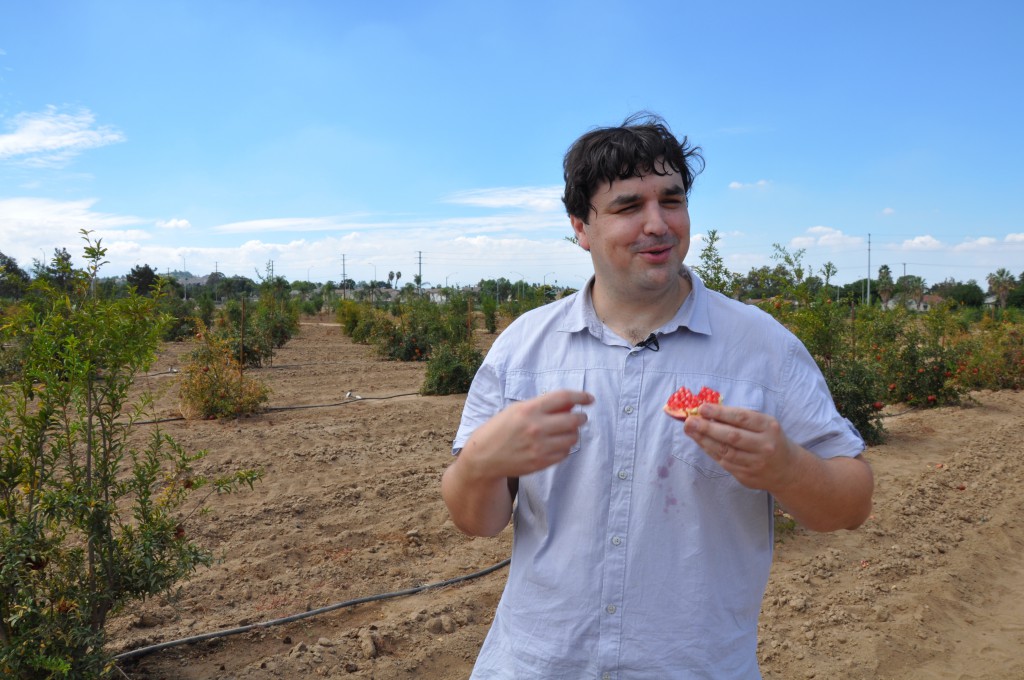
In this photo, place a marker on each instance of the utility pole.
(420, 284)
(344, 287)
(868, 301)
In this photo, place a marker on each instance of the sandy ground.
(931, 587)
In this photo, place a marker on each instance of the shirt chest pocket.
(526, 385)
(686, 450)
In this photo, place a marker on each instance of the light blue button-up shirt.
(638, 556)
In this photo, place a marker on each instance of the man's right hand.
(528, 435)
(525, 437)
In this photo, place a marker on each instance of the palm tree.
(1001, 283)
(912, 288)
(885, 284)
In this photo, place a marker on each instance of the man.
(642, 545)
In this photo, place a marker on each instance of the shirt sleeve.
(809, 415)
(482, 403)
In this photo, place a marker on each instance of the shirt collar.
(692, 314)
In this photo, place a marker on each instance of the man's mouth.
(657, 256)
(654, 249)
(657, 252)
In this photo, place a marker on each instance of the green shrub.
(489, 307)
(830, 333)
(856, 388)
(450, 368)
(918, 368)
(276, 320)
(395, 343)
(212, 384)
(413, 334)
(348, 313)
(372, 324)
(180, 316)
(992, 357)
(253, 332)
(235, 327)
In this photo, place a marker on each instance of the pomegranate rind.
(684, 404)
(680, 414)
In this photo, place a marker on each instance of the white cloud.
(922, 243)
(33, 227)
(51, 138)
(442, 227)
(1015, 238)
(281, 224)
(981, 243)
(888, 211)
(463, 249)
(759, 184)
(174, 224)
(826, 237)
(541, 199)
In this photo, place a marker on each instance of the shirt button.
(610, 609)
(623, 474)
(616, 541)
(606, 676)
(628, 409)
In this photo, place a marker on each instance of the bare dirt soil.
(931, 587)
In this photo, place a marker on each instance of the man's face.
(639, 233)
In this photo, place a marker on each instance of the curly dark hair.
(642, 145)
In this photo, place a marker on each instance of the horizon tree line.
(759, 283)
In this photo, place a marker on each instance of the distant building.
(927, 302)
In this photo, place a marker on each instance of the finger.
(560, 445)
(742, 418)
(563, 400)
(717, 437)
(563, 422)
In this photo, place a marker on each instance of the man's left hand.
(751, 446)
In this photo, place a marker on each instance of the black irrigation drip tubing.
(342, 403)
(352, 400)
(142, 651)
(175, 371)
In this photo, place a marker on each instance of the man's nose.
(654, 219)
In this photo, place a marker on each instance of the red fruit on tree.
(683, 403)
(878, 406)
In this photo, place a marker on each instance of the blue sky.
(428, 136)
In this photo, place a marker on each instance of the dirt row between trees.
(931, 587)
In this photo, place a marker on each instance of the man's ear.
(578, 227)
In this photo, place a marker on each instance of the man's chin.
(660, 280)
